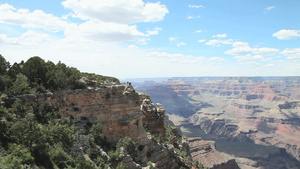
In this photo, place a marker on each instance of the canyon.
(256, 110)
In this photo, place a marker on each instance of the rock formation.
(205, 153)
(122, 112)
(264, 91)
(228, 86)
(154, 117)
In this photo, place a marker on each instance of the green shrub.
(121, 165)
(128, 144)
(60, 158)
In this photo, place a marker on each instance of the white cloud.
(201, 40)
(218, 59)
(196, 6)
(27, 39)
(270, 65)
(177, 58)
(91, 29)
(224, 35)
(153, 32)
(193, 17)
(118, 11)
(142, 41)
(243, 48)
(252, 57)
(199, 31)
(218, 42)
(36, 19)
(133, 47)
(285, 34)
(253, 63)
(270, 8)
(292, 53)
(181, 44)
(171, 39)
(103, 31)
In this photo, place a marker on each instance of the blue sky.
(168, 38)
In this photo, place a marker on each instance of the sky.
(147, 39)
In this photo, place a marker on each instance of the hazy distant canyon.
(261, 114)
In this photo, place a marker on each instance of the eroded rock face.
(228, 86)
(122, 112)
(115, 107)
(266, 92)
(205, 153)
(239, 108)
(154, 117)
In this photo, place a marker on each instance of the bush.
(96, 134)
(121, 165)
(60, 158)
(128, 144)
(113, 155)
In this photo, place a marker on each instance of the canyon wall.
(259, 110)
(122, 112)
(205, 153)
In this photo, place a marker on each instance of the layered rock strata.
(228, 86)
(205, 153)
(266, 92)
(122, 112)
(154, 117)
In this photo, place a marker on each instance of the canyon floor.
(255, 120)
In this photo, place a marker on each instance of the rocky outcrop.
(205, 153)
(174, 102)
(122, 112)
(154, 117)
(115, 107)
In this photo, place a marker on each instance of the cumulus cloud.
(218, 42)
(196, 6)
(153, 32)
(103, 31)
(252, 57)
(243, 48)
(118, 11)
(201, 40)
(292, 53)
(27, 39)
(177, 58)
(218, 59)
(224, 35)
(142, 41)
(106, 25)
(285, 34)
(36, 19)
